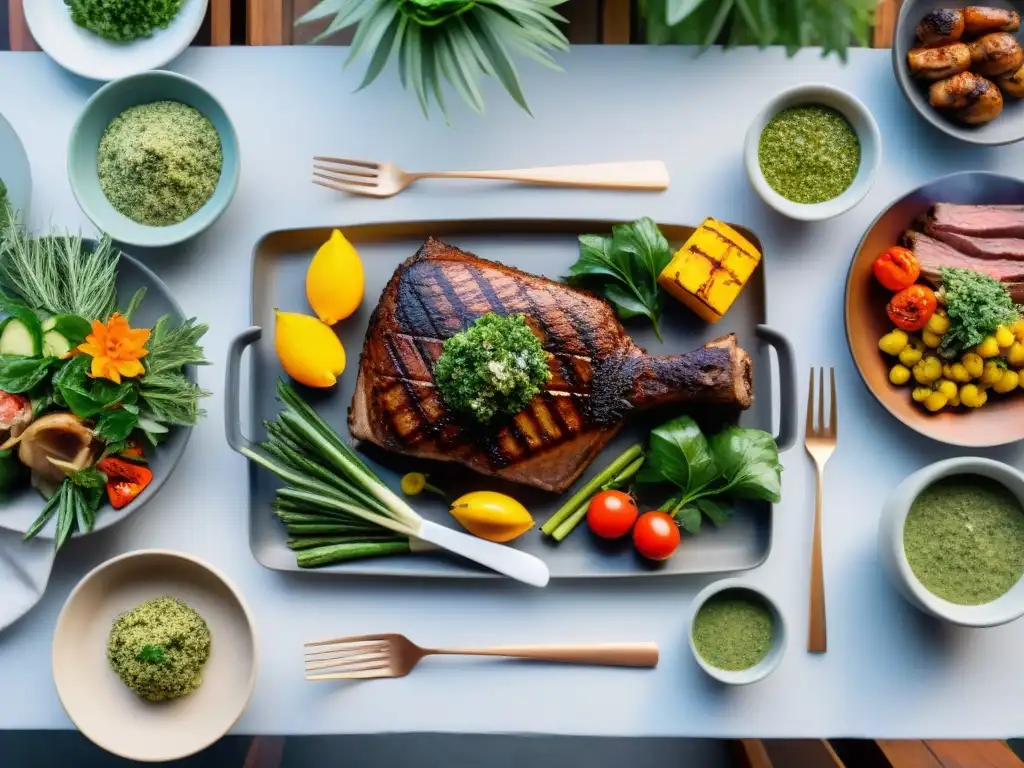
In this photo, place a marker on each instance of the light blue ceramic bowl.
(106, 104)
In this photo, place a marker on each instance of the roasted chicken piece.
(980, 20)
(943, 25)
(996, 54)
(974, 99)
(939, 63)
(1012, 84)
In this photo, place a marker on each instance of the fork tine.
(344, 180)
(366, 666)
(349, 663)
(809, 429)
(348, 640)
(368, 675)
(346, 171)
(834, 411)
(345, 161)
(343, 652)
(821, 400)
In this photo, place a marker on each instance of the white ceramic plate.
(14, 168)
(86, 54)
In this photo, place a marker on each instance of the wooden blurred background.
(271, 22)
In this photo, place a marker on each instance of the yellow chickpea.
(992, 373)
(920, 394)
(1004, 337)
(912, 353)
(1014, 355)
(899, 375)
(954, 401)
(936, 401)
(946, 387)
(974, 364)
(893, 342)
(938, 323)
(973, 396)
(988, 347)
(960, 373)
(928, 370)
(1007, 382)
(1018, 330)
(930, 339)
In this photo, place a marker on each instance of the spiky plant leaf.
(453, 42)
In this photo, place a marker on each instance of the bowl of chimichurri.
(737, 633)
(951, 537)
(813, 152)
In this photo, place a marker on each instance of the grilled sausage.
(974, 99)
(996, 54)
(943, 25)
(939, 63)
(1012, 84)
(980, 20)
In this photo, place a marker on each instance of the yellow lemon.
(309, 351)
(492, 516)
(335, 280)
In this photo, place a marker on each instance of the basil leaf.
(717, 513)
(641, 249)
(19, 374)
(115, 426)
(749, 461)
(88, 397)
(689, 519)
(679, 454)
(88, 478)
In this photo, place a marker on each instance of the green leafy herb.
(134, 304)
(123, 20)
(736, 462)
(73, 328)
(115, 426)
(59, 273)
(624, 268)
(164, 391)
(152, 654)
(75, 506)
(88, 478)
(20, 374)
(88, 397)
(492, 368)
(976, 304)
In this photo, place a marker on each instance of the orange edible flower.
(115, 349)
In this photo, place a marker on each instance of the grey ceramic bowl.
(106, 104)
(18, 512)
(890, 544)
(1005, 129)
(768, 664)
(15, 172)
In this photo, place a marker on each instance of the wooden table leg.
(885, 22)
(265, 23)
(615, 22)
(220, 22)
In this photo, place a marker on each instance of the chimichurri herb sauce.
(964, 539)
(733, 630)
(809, 154)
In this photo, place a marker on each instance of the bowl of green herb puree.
(153, 159)
(154, 655)
(951, 538)
(813, 152)
(737, 633)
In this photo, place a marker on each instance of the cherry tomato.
(896, 269)
(611, 514)
(656, 535)
(912, 308)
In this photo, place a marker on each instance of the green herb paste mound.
(733, 630)
(964, 539)
(492, 368)
(123, 20)
(160, 162)
(159, 649)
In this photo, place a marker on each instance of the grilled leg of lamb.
(598, 373)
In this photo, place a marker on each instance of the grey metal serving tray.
(546, 247)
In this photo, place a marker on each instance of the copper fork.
(370, 656)
(365, 177)
(820, 442)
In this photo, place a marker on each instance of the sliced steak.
(981, 247)
(598, 373)
(977, 220)
(933, 255)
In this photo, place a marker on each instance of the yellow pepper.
(928, 370)
(974, 364)
(936, 401)
(893, 342)
(973, 396)
(1007, 382)
(1004, 337)
(988, 347)
(492, 516)
(899, 374)
(938, 323)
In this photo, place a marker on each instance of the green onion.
(623, 478)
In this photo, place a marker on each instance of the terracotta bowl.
(96, 700)
(1001, 420)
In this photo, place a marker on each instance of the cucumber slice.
(151, 426)
(17, 339)
(49, 323)
(55, 344)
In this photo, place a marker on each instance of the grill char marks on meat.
(598, 373)
(933, 255)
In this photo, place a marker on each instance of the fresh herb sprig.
(75, 504)
(165, 393)
(624, 268)
(976, 304)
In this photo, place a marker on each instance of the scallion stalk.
(625, 477)
(582, 497)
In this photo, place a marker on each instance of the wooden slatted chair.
(218, 24)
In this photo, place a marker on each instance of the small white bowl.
(859, 118)
(771, 660)
(1003, 609)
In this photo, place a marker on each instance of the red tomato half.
(611, 514)
(656, 535)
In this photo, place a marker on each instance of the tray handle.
(788, 413)
(233, 387)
